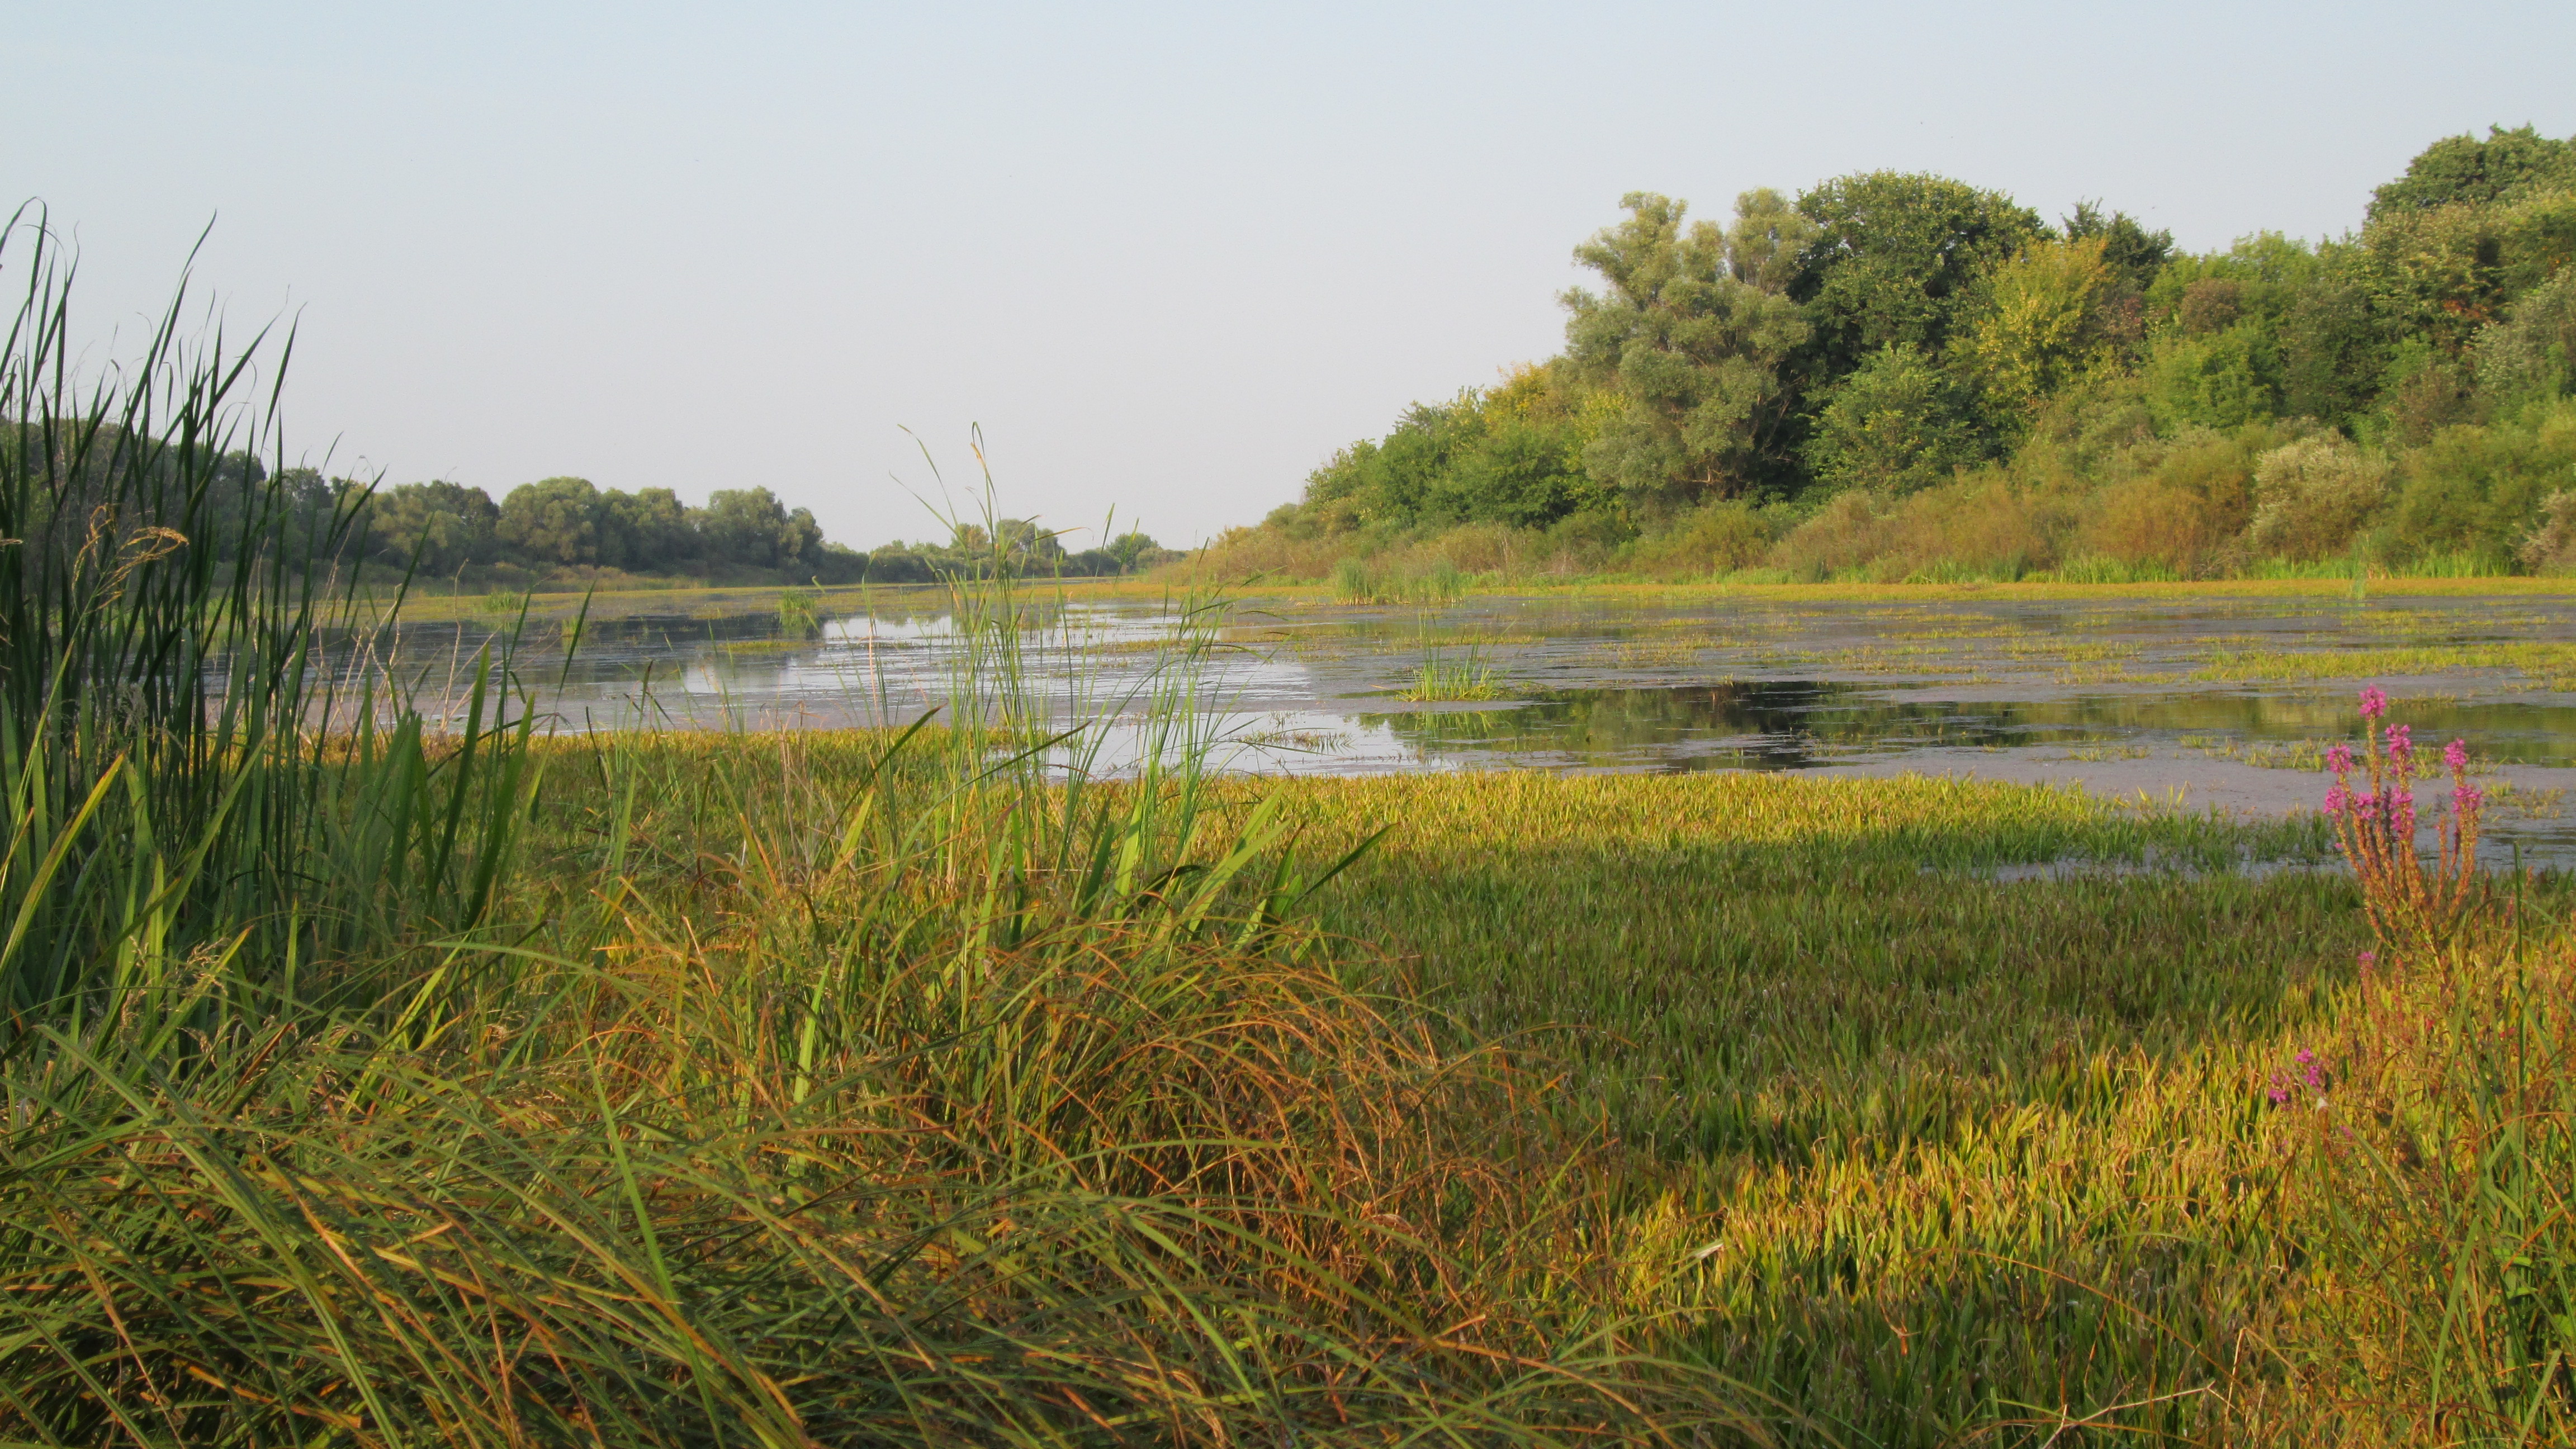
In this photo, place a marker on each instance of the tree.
(2133, 253)
(2463, 170)
(1695, 354)
(651, 529)
(439, 526)
(1894, 260)
(1895, 425)
(2334, 349)
(2047, 317)
(750, 527)
(2533, 352)
(1769, 237)
(553, 521)
(1134, 550)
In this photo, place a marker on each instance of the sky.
(1166, 258)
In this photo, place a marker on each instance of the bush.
(2550, 548)
(2477, 489)
(1849, 531)
(1720, 538)
(2312, 497)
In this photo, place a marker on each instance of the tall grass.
(931, 1086)
(185, 844)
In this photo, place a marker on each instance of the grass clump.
(1465, 677)
(1439, 584)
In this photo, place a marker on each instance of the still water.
(2222, 702)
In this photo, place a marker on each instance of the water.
(2166, 699)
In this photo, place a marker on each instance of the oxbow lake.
(2224, 702)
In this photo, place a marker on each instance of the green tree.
(1768, 239)
(2222, 378)
(2532, 353)
(1895, 425)
(651, 530)
(1134, 549)
(2333, 348)
(2134, 254)
(439, 526)
(1894, 260)
(552, 521)
(751, 528)
(1695, 354)
(2051, 315)
(2463, 170)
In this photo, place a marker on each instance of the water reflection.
(2121, 696)
(1792, 724)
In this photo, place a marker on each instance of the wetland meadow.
(1025, 1012)
(2048, 926)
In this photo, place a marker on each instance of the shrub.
(2151, 521)
(1980, 523)
(1849, 531)
(2551, 546)
(2477, 488)
(2312, 497)
(1720, 538)
(1898, 423)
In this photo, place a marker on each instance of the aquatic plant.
(799, 614)
(1463, 677)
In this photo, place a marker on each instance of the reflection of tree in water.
(1789, 724)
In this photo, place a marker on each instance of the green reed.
(188, 838)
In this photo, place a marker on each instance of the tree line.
(569, 527)
(1887, 347)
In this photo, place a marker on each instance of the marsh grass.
(1458, 677)
(375, 1080)
(1935, 1156)
(799, 614)
(1439, 584)
(372, 1082)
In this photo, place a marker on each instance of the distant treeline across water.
(1899, 375)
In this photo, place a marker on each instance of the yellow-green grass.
(1652, 593)
(1918, 1150)
(1840, 1089)
(554, 603)
(2553, 663)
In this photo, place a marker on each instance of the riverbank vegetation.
(368, 1078)
(1895, 377)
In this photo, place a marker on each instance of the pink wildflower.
(2374, 702)
(2401, 743)
(2339, 759)
(2466, 800)
(2456, 754)
(2336, 798)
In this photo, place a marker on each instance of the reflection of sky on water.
(2011, 690)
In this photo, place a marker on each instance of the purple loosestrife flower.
(2312, 1074)
(2456, 754)
(2280, 1093)
(2401, 744)
(2336, 798)
(2339, 759)
(2368, 959)
(2466, 800)
(2374, 702)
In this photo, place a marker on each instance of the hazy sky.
(1169, 257)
